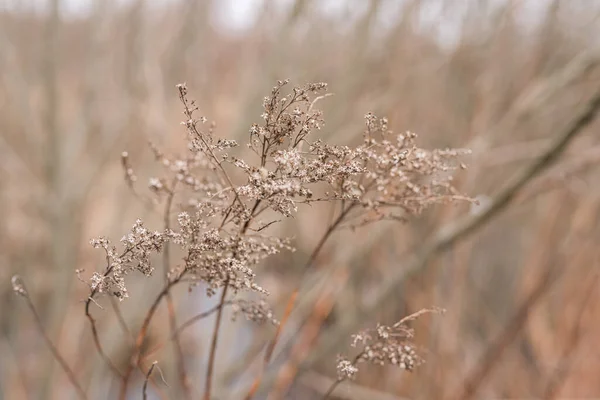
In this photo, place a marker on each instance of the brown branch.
(121, 320)
(145, 387)
(141, 336)
(180, 360)
(215, 336)
(213, 344)
(333, 386)
(88, 314)
(198, 317)
(20, 289)
(336, 383)
(271, 346)
(334, 225)
(179, 330)
(191, 124)
(308, 336)
(291, 303)
(97, 344)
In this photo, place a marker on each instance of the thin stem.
(98, 346)
(19, 288)
(326, 236)
(134, 361)
(192, 126)
(88, 314)
(292, 300)
(121, 320)
(340, 380)
(180, 360)
(213, 345)
(145, 387)
(332, 388)
(307, 338)
(200, 316)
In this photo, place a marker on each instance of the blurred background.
(82, 81)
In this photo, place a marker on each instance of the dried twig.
(307, 337)
(271, 345)
(20, 289)
(198, 317)
(96, 339)
(291, 303)
(222, 302)
(141, 336)
(89, 316)
(180, 360)
(121, 320)
(145, 387)
(213, 343)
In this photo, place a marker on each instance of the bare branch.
(20, 289)
(145, 387)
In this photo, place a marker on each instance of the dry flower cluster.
(218, 230)
(386, 177)
(138, 246)
(383, 345)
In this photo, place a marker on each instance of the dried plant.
(384, 345)
(505, 85)
(219, 231)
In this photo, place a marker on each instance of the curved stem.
(198, 317)
(145, 387)
(213, 345)
(215, 337)
(292, 300)
(331, 389)
(19, 288)
(180, 360)
(139, 341)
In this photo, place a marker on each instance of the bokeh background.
(82, 81)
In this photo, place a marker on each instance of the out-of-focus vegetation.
(498, 77)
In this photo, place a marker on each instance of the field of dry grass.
(514, 81)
